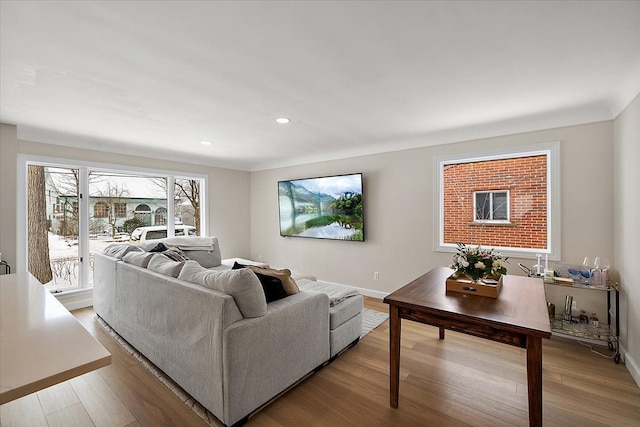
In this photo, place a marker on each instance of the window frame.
(84, 166)
(552, 152)
(491, 210)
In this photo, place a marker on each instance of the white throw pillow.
(164, 265)
(141, 259)
(241, 284)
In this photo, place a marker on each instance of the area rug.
(371, 319)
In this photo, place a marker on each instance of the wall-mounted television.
(328, 207)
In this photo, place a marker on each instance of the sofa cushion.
(175, 254)
(284, 275)
(242, 285)
(162, 264)
(271, 286)
(119, 250)
(141, 259)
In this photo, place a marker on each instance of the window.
(491, 206)
(507, 200)
(101, 210)
(120, 210)
(84, 208)
(161, 216)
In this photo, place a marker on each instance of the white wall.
(626, 132)
(399, 212)
(227, 198)
(8, 153)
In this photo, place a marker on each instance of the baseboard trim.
(631, 365)
(363, 291)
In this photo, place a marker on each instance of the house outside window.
(491, 206)
(506, 200)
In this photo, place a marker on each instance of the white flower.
(479, 265)
(497, 263)
(465, 263)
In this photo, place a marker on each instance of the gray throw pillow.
(242, 285)
(141, 259)
(162, 264)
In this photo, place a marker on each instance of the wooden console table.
(518, 317)
(41, 343)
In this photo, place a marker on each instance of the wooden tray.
(466, 286)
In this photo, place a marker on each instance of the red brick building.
(510, 198)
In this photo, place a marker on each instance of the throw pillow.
(289, 285)
(271, 286)
(164, 265)
(175, 254)
(141, 259)
(160, 247)
(119, 250)
(242, 285)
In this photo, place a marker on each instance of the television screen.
(328, 207)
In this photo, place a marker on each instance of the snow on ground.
(64, 255)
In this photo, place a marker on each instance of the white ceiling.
(355, 77)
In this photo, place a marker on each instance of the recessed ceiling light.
(206, 142)
(283, 120)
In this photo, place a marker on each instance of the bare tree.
(185, 189)
(190, 188)
(38, 240)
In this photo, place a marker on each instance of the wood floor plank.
(71, 416)
(57, 397)
(23, 412)
(102, 404)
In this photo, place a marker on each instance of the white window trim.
(551, 150)
(21, 197)
(492, 221)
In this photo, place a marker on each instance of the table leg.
(441, 333)
(394, 355)
(534, 380)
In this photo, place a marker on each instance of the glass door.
(53, 226)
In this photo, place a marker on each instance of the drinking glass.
(585, 272)
(605, 267)
(596, 272)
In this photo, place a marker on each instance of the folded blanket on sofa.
(193, 243)
(336, 294)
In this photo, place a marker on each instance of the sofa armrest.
(104, 286)
(265, 355)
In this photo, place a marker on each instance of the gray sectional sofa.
(212, 331)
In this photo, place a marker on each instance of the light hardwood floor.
(459, 381)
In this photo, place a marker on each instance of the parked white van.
(154, 232)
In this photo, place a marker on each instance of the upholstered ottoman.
(345, 312)
(345, 323)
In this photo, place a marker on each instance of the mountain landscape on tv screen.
(323, 208)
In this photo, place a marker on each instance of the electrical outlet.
(376, 275)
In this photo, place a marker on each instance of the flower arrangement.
(478, 263)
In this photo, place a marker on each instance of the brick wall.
(526, 180)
